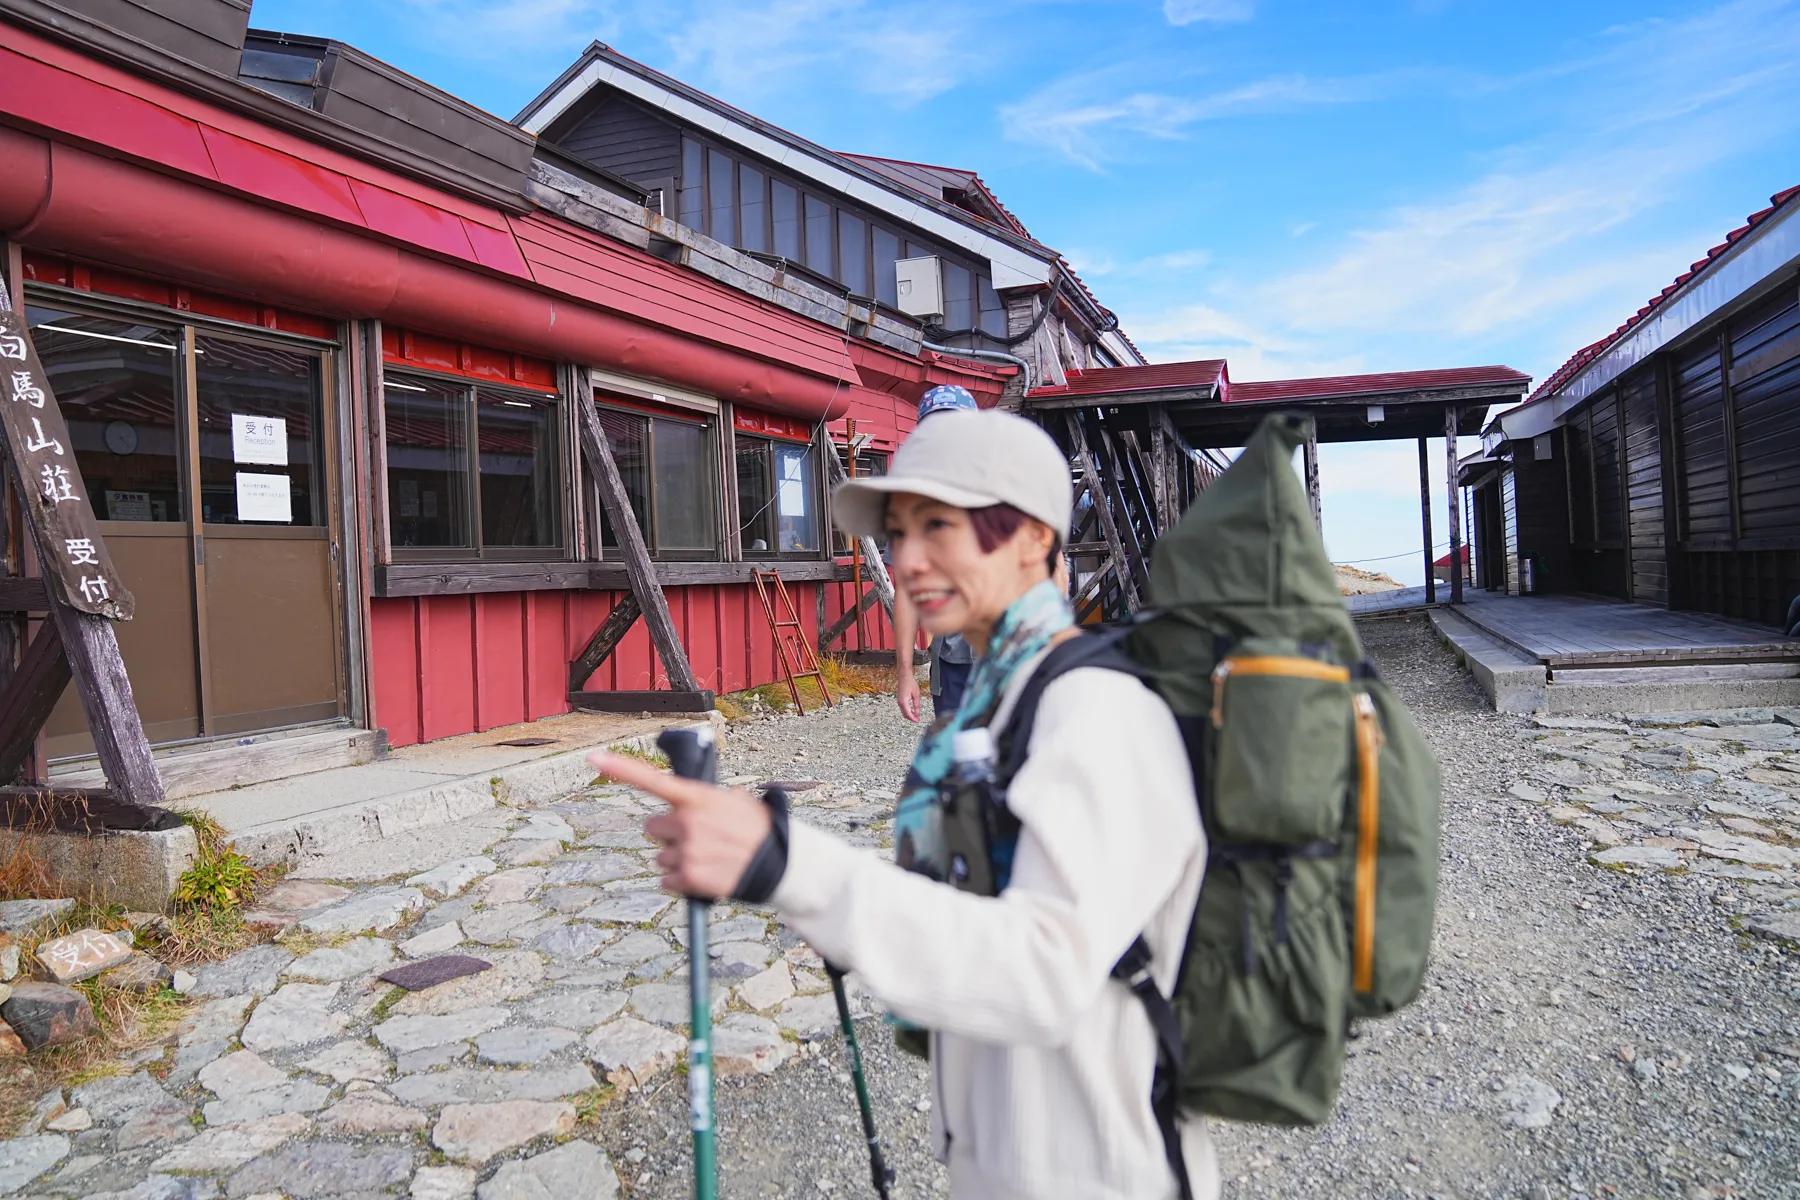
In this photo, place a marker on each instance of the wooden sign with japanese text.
(54, 498)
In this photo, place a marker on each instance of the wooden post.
(1159, 477)
(638, 567)
(1425, 518)
(1310, 454)
(1451, 494)
(1108, 528)
(1669, 448)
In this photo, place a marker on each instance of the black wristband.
(763, 875)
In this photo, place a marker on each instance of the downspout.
(994, 355)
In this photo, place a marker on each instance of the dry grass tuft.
(843, 677)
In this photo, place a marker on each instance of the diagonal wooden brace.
(35, 688)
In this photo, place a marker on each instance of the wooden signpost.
(81, 594)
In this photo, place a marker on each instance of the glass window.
(259, 443)
(755, 232)
(721, 197)
(785, 206)
(869, 462)
(115, 382)
(778, 502)
(887, 252)
(959, 297)
(818, 236)
(520, 496)
(993, 312)
(853, 253)
(428, 463)
(692, 171)
(668, 467)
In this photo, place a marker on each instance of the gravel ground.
(1629, 998)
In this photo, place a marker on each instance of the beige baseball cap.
(970, 460)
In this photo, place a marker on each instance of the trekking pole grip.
(694, 754)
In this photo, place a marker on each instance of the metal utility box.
(920, 286)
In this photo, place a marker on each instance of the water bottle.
(973, 752)
(971, 806)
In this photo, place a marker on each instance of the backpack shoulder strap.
(1088, 650)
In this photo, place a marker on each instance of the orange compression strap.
(1368, 763)
(1290, 666)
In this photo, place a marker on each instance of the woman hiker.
(1041, 1062)
(950, 655)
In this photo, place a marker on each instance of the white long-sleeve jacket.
(1042, 1063)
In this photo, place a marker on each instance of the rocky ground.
(1611, 1010)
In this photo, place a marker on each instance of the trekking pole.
(879, 1172)
(694, 755)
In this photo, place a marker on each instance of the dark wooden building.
(1662, 463)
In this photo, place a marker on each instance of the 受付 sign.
(55, 499)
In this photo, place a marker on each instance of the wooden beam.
(1116, 477)
(611, 631)
(678, 701)
(638, 567)
(30, 694)
(1728, 408)
(842, 625)
(1425, 518)
(105, 690)
(1090, 476)
(79, 810)
(1669, 454)
(1451, 495)
(23, 594)
(1159, 478)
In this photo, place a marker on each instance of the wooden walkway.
(1570, 631)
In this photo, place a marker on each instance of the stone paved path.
(300, 1073)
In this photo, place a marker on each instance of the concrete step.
(200, 768)
(1513, 682)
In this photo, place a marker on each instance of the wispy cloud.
(1189, 12)
(1068, 117)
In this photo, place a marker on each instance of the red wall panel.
(394, 654)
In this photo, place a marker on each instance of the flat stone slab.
(23, 918)
(351, 1060)
(297, 1014)
(1779, 927)
(370, 912)
(515, 975)
(743, 1044)
(493, 925)
(469, 1085)
(358, 956)
(521, 1045)
(252, 972)
(542, 826)
(240, 1073)
(24, 1159)
(302, 895)
(509, 887)
(634, 948)
(808, 1015)
(295, 1096)
(671, 1003)
(632, 1052)
(442, 882)
(768, 988)
(627, 908)
(80, 955)
(308, 1169)
(404, 1034)
(597, 868)
(575, 1171)
(429, 972)
(371, 1112)
(573, 941)
(1527, 1103)
(434, 941)
(448, 1183)
(140, 973)
(574, 1008)
(475, 1133)
(222, 1149)
(1638, 856)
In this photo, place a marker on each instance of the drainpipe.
(996, 355)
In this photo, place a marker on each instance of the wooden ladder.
(788, 631)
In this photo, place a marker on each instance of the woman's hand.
(709, 835)
(906, 695)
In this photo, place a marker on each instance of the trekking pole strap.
(1133, 970)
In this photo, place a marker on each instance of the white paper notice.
(259, 440)
(264, 498)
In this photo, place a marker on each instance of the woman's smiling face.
(939, 564)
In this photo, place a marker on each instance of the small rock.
(434, 941)
(73, 1121)
(806, 1015)
(476, 1132)
(446, 1183)
(630, 1052)
(80, 955)
(442, 882)
(355, 957)
(302, 895)
(575, 1171)
(1737, 1071)
(1644, 1068)
(9, 958)
(140, 973)
(768, 989)
(743, 1044)
(509, 887)
(23, 918)
(434, 972)
(1528, 793)
(1627, 1054)
(1527, 1102)
(1638, 856)
(48, 1014)
(371, 912)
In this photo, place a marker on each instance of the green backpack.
(1318, 793)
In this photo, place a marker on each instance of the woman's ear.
(1033, 543)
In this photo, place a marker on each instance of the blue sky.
(1300, 188)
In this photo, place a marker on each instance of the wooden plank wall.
(627, 140)
(1700, 429)
(1542, 514)
(1768, 421)
(1647, 555)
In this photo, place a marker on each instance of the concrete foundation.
(136, 869)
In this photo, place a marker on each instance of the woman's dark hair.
(996, 523)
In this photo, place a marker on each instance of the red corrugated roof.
(1156, 377)
(1330, 386)
(1587, 354)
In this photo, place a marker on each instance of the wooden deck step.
(196, 768)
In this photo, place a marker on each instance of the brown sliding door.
(204, 453)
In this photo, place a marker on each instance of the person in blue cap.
(951, 657)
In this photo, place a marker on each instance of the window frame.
(478, 551)
(709, 424)
(823, 551)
